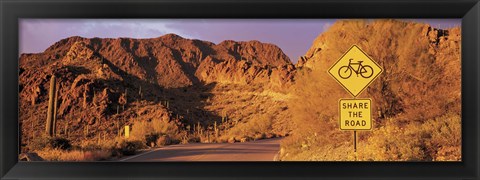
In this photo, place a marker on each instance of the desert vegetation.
(416, 101)
(77, 97)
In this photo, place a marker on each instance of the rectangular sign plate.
(355, 114)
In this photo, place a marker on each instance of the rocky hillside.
(416, 101)
(170, 61)
(107, 83)
(414, 56)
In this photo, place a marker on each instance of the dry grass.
(94, 149)
(74, 155)
(99, 143)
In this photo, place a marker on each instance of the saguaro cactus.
(198, 128)
(224, 117)
(85, 131)
(66, 128)
(126, 99)
(55, 105)
(215, 128)
(50, 125)
(86, 92)
(140, 92)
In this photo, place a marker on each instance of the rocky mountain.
(170, 60)
(103, 81)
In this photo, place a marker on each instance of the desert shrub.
(193, 139)
(435, 139)
(39, 143)
(129, 147)
(445, 140)
(391, 142)
(270, 135)
(43, 142)
(260, 126)
(259, 136)
(140, 129)
(221, 139)
(163, 140)
(149, 131)
(151, 139)
(60, 143)
(263, 124)
(163, 127)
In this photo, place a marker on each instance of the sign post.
(355, 71)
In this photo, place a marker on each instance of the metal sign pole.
(355, 140)
(355, 143)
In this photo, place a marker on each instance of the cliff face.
(102, 81)
(246, 62)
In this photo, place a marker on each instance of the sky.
(293, 36)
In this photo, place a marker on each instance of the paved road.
(261, 150)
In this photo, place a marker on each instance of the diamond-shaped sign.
(355, 70)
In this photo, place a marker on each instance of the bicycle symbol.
(346, 71)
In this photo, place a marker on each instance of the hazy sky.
(293, 36)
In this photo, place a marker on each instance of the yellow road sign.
(355, 114)
(127, 131)
(355, 70)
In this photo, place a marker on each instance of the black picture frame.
(467, 10)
